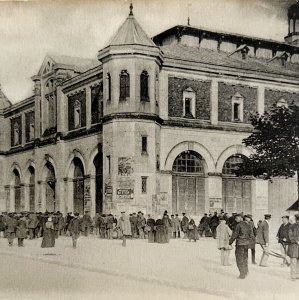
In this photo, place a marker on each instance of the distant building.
(153, 124)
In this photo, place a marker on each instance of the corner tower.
(131, 131)
(293, 24)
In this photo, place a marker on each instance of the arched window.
(31, 189)
(282, 103)
(144, 95)
(77, 114)
(232, 164)
(17, 188)
(188, 162)
(124, 89)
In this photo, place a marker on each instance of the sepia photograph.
(149, 149)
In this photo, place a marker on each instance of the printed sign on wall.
(125, 166)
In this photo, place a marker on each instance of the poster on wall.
(125, 193)
(215, 203)
(125, 166)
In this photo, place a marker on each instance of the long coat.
(223, 235)
(125, 226)
(262, 235)
(293, 249)
(11, 224)
(21, 229)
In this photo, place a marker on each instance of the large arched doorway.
(50, 188)
(188, 183)
(17, 190)
(78, 186)
(236, 191)
(31, 189)
(98, 164)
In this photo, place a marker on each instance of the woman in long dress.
(151, 229)
(192, 231)
(49, 235)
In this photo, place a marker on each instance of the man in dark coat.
(141, 224)
(75, 228)
(251, 246)
(231, 222)
(214, 222)
(11, 226)
(242, 234)
(109, 226)
(21, 230)
(262, 238)
(283, 238)
(86, 223)
(293, 249)
(184, 225)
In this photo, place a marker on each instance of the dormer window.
(124, 89)
(282, 103)
(77, 114)
(189, 103)
(144, 95)
(237, 108)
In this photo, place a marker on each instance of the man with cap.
(293, 249)
(283, 238)
(262, 238)
(75, 228)
(242, 235)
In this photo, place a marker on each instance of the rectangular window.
(16, 131)
(29, 126)
(143, 185)
(236, 112)
(144, 144)
(77, 110)
(188, 107)
(109, 164)
(124, 88)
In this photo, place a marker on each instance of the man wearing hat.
(242, 234)
(293, 249)
(184, 224)
(262, 238)
(75, 228)
(283, 238)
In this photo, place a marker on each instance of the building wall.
(273, 96)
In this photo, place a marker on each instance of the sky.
(30, 30)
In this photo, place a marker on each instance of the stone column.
(89, 194)
(261, 100)
(7, 198)
(23, 129)
(214, 102)
(88, 107)
(62, 113)
(215, 192)
(25, 195)
(11, 198)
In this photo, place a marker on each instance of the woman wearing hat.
(49, 235)
(223, 233)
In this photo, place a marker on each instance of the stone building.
(152, 124)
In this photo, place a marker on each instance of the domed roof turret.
(293, 11)
(4, 102)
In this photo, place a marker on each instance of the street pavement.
(104, 269)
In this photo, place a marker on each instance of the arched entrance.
(98, 164)
(50, 188)
(31, 189)
(78, 190)
(236, 191)
(188, 183)
(17, 190)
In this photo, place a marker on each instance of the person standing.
(141, 224)
(242, 235)
(32, 224)
(86, 223)
(192, 231)
(184, 225)
(21, 232)
(283, 238)
(167, 224)
(214, 222)
(133, 221)
(125, 228)
(74, 229)
(223, 233)
(251, 246)
(109, 226)
(177, 226)
(11, 226)
(262, 238)
(151, 229)
(49, 234)
(173, 232)
(293, 249)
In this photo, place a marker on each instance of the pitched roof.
(131, 33)
(80, 64)
(219, 58)
(294, 206)
(4, 102)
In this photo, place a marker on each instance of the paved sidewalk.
(180, 264)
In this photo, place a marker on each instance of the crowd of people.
(227, 229)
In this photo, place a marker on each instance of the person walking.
(21, 231)
(242, 235)
(251, 246)
(192, 231)
(74, 229)
(262, 238)
(293, 249)
(11, 226)
(223, 233)
(284, 239)
(177, 226)
(86, 223)
(125, 228)
(214, 222)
